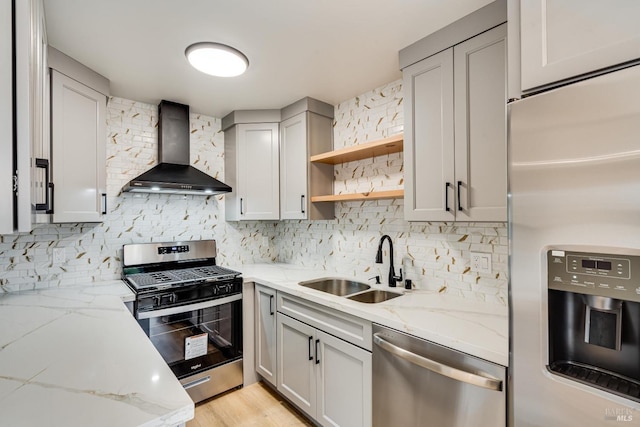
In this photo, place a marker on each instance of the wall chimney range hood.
(173, 174)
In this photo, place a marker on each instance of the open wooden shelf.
(393, 144)
(373, 195)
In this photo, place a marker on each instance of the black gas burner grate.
(601, 379)
(180, 276)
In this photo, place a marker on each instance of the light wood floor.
(255, 405)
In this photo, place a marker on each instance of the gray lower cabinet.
(323, 358)
(455, 132)
(326, 377)
(265, 333)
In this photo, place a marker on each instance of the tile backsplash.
(434, 255)
(93, 252)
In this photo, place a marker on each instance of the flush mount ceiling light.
(216, 59)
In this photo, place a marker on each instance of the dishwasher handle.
(437, 367)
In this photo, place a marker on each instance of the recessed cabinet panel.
(561, 39)
(293, 173)
(251, 164)
(78, 132)
(265, 351)
(480, 127)
(296, 363)
(344, 376)
(429, 138)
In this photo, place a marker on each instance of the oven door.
(201, 343)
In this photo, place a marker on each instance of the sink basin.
(339, 287)
(374, 296)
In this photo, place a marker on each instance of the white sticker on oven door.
(195, 346)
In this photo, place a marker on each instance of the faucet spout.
(392, 274)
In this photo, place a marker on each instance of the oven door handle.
(188, 307)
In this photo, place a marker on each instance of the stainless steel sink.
(339, 287)
(374, 296)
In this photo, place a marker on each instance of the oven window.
(197, 340)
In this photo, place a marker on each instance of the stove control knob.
(156, 300)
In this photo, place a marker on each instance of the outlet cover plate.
(481, 262)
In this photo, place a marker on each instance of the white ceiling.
(331, 50)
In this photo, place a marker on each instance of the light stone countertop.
(76, 357)
(474, 327)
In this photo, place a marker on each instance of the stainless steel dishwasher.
(419, 383)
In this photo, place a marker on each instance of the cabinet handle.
(302, 203)
(241, 213)
(44, 164)
(104, 199)
(459, 203)
(310, 342)
(52, 188)
(317, 352)
(446, 196)
(271, 305)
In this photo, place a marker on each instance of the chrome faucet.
(392, 274)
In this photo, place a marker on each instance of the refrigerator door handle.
(437, 367)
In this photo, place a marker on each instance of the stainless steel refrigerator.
(574, 174)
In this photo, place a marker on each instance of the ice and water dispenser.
(594, 320)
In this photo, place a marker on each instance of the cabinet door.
(480, 82)
(258, 172)
(266, 333)
(78, 138)
(296, 363)
(344, 383)
(561, 39)
(293, 167)
(428, 139)
(6, 119)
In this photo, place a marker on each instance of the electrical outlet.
(59, 256)
(481, 262)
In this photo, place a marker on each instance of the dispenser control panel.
(594, 274)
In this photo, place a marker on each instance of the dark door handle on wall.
(104, 199)
(317, 352)
(459, 203)
(241, 213)
(310, 342)
(271, 305)
(302, 203)
(446, 196)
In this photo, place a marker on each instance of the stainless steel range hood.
(173, 174)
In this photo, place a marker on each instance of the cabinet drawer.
(349, 328)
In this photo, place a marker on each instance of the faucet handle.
(398, 278)
(377, 279)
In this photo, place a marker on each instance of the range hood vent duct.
(173, 174)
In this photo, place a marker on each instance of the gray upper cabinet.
(480, 86)
(306, 129)
(428, 134)
(252, 165)
(78, 148)
(455, 132)
(78, 140)
(561, 39)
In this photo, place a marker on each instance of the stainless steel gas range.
(191, 310)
